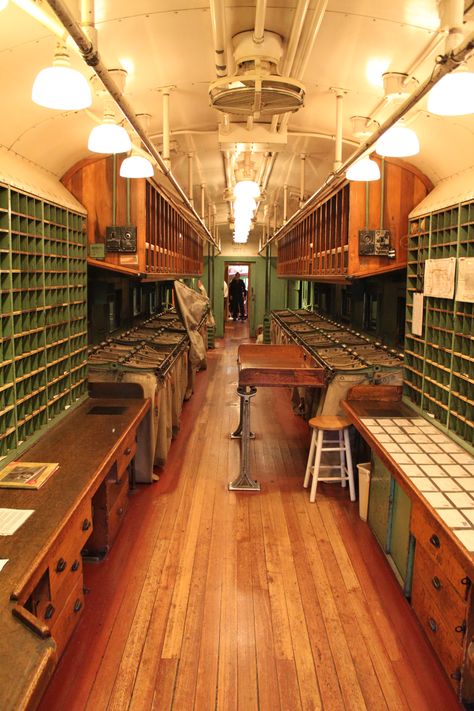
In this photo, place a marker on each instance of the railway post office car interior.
(223, 493)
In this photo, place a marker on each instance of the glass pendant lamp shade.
(398, 142)
(61, 87)
(246, 189)
(136, 166)
(364, 170)
(453, 95)
(109, 138)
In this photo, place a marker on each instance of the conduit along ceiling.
(252, 89)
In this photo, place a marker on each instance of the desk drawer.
(64, 626)
(64, 560)
(429, 576)
(117, 514)
(445, 641)
(429, 534)
(126, 452)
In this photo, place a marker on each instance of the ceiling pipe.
(338, 146)
(165, 92)
(217, 22)
(203, 200)
(293, 42)
(88, 20)
(190, 178)
(302, 185)
(445, 64)
(295, 36)
(92, 58)
(259, 29)
(305, 48)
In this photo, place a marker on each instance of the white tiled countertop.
(441, 470)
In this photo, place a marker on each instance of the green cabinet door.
(399, 539)
(379, 500)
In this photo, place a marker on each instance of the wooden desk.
(88, 443)
(267, 366)
(436, 474)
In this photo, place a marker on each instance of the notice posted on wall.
(465, 286)
(439, 277)
(417, 314)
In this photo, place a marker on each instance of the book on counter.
(26, 475)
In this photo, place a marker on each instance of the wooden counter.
(88, 443)
(438, 477)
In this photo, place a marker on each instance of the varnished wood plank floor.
(219, 601)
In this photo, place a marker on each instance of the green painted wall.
(257, 280)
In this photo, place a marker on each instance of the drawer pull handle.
(86, 524)
(75, 566)
(456, 675)
(432, 624)
(120, 511)
(61, 565)
(461, 628)
(434, 540)
(466, 581)
(77, 605)
(49, 612)
(128, 450)
(436, 582)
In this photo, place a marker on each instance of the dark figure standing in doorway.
(237, 294)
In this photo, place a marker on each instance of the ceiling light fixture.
(109, 137)
(398, 142)
(363, 170)
(453, 95)
(3, 4)
(247, 189)
(136, 166)
(60, 86)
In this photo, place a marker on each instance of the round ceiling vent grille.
(257, 95)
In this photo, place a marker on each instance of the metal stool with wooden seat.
(322, 424)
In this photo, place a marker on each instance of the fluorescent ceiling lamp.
(109, 138)
(453, 95)
(247, 189)
(363, 169)
(3, 4)
(136, 166)
(398, 142)
(61, 87)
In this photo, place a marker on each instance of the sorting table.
(268, 366)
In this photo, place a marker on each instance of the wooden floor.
(218, 600)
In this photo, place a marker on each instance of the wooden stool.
(320, 425)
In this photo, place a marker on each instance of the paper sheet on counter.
(12, 519)
(465, 287)
(439, 277)
(3, 562)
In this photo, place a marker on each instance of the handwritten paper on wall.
(465, 287)
(439, 277)
(417, 314)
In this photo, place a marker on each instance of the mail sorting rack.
(439, 377)
(43, 314)
(350, 358)
(153, 355)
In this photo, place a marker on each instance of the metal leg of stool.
(243, 482)
(307, 475)
(350, 471)
(342, 458)
(237, 434)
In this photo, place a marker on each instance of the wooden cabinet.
(109, 506)
(441, 594)
(324, 243)
(168, 239)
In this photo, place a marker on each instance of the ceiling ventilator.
(256, 89)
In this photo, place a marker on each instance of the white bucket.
(364, 487)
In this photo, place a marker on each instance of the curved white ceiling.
(172, 46)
